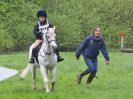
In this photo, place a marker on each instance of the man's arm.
(81, 47)
(105, 52)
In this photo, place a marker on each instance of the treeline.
(74, 19)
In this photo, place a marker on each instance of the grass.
(115, 80)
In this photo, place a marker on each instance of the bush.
(74, 20)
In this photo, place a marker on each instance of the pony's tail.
(26, 70)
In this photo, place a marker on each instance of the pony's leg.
(34, 77)
(26, 70)
(53, 74)
(45, 78)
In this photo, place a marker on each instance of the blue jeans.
(92, 65)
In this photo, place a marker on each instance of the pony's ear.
(54, 28)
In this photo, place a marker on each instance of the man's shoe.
(59, 59)
(79, 77)
(32, 60)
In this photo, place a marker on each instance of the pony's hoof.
(34, 88)
(47, 91)
(51, 90)
(20, 78)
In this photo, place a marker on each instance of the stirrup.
(60, 59)
(32, 60)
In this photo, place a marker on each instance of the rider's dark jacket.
(39, 27)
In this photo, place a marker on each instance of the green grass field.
(115, 81)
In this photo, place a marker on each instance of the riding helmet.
(42, 13)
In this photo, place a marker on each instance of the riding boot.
(79, 77)
(59, 59)
(32, 60)
(90, 78)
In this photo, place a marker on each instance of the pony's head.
(49, 36)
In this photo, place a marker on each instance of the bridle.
(47, 42)
(47, 39)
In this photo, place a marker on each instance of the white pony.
(47, 60)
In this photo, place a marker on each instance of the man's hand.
(106, 62)
(77, 57)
